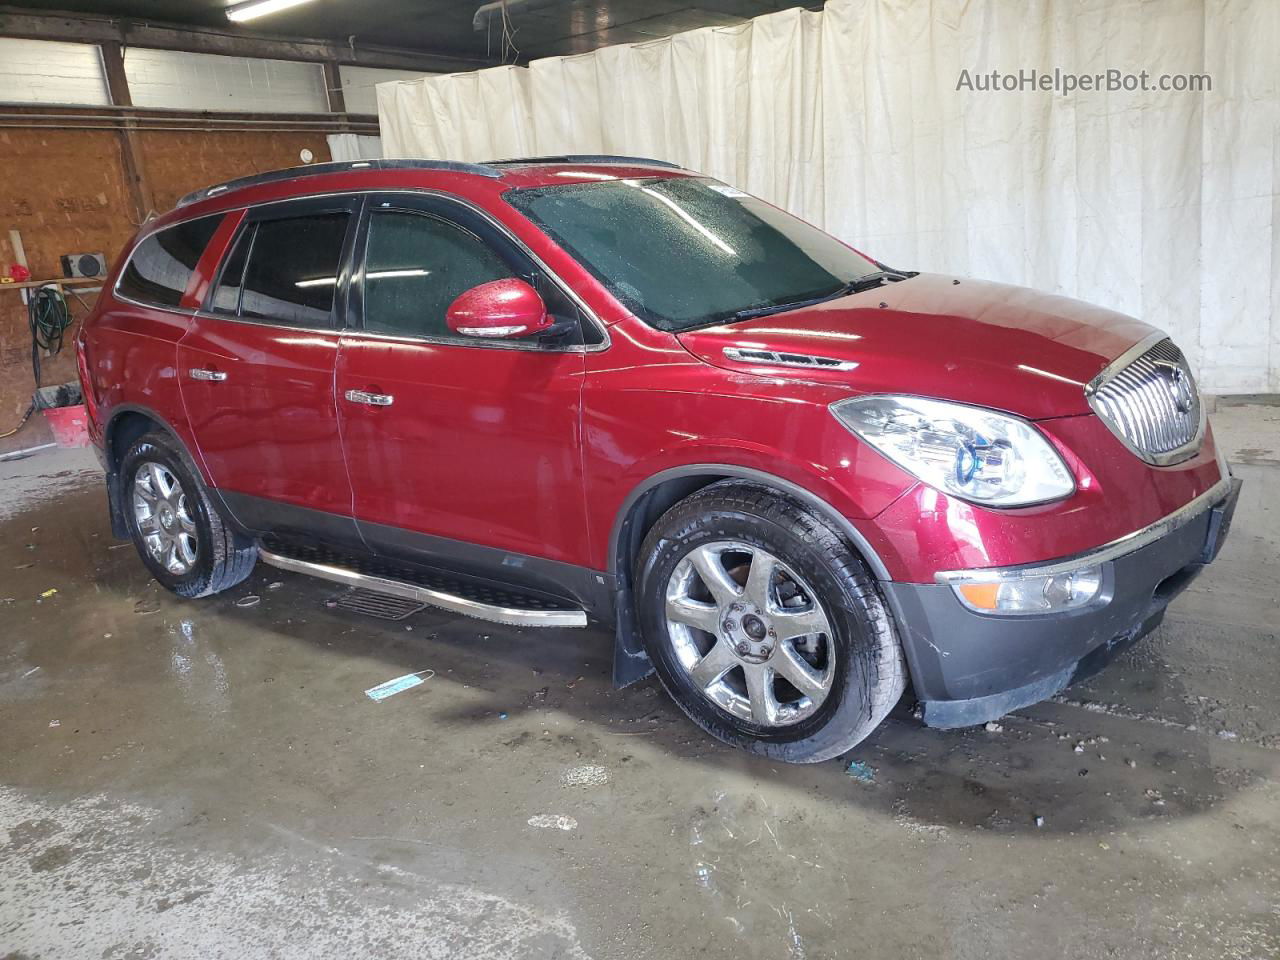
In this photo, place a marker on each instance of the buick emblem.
(1181, 392)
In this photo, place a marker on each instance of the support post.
(130, 139)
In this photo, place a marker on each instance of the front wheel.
(765, 627)
(178, 532)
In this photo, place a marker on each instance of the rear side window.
(292, 270)
(161, 265)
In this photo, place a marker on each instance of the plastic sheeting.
(352, 146)
(1160, 204)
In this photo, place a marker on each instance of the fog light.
(1050, 594)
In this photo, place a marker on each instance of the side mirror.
(500, 309)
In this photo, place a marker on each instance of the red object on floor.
(70, 425)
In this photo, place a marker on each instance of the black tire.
(869, 672)
(222, 557)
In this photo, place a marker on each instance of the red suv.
(548, 391)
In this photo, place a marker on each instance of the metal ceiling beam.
(74, 27)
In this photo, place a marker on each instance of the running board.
(506, 612)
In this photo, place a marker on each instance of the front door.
(455, 442)
(257, 369)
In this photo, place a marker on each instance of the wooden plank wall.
(65, 190)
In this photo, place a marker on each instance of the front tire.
(765, 627)
(174, 525)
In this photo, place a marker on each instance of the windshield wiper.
(868, 281)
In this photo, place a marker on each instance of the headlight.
(977, 454)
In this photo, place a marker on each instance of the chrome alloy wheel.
(163, 515)
(750, 634)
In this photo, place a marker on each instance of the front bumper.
(968, 667)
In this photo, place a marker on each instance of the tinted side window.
(415, 266)
(226, 298)
(161, 265)
(293, 268)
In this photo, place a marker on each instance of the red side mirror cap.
(500, 309)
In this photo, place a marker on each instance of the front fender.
(815, 492)
(657, 492)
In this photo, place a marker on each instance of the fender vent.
(773, 358)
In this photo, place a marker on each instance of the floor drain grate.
(378, 605)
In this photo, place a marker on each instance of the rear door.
(257, 368)
(469, 442)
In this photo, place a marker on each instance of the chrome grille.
(1149, 400)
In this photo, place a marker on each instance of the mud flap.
(631, 662)
(119, 528)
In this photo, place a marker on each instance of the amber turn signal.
(980, 595)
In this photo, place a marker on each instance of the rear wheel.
(765, 627)
(176, 527)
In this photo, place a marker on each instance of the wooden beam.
(135, 170)
(20, 22)
(333, 87)
(117, 79)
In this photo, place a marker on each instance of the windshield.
(686, 252)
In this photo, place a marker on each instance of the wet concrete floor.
(205, 779)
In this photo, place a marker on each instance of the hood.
(991, 344)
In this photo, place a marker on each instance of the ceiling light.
(239, 12)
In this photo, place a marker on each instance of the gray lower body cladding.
(968, 668)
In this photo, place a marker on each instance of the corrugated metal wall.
(202, 81)
(45, 71)
(42, 71)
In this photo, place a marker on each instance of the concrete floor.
(204, 779)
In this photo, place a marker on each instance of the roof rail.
(587, 158)
(341, 166)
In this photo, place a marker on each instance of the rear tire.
(175, 526)
(765, 627)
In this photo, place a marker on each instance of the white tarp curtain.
(1159, 204)
(352, 146)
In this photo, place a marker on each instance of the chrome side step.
(454, 603)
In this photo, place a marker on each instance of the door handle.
(214, 376)
(370, 399)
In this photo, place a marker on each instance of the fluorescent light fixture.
(240, 12)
